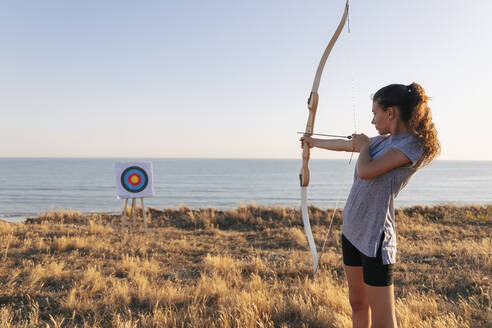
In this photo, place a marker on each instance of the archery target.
(134, 180)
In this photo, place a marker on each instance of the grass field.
(246, 267)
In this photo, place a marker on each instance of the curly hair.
(412, 100)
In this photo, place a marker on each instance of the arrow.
(325, 135)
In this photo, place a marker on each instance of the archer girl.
(407, 141)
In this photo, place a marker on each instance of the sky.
(230, 78)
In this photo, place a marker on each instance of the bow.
(312, 106)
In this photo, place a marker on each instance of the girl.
(407, 141)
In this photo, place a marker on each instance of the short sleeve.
(410, 147)
(377, 139)
(377, 146)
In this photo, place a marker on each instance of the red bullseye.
(134, 179)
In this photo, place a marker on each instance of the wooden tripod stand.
(133, 213)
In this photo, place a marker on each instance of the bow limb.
(304, 176)
(328, 49)
(307, 229)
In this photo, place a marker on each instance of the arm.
(368, 168)
(329, 144)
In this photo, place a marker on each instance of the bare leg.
(361, 313)
(382, 303)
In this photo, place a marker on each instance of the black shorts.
(375, 272)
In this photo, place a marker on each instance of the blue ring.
(144, 179)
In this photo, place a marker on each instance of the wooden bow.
(312, 106)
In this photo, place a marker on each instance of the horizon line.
(213, 158)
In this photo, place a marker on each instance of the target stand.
(133, 213)
(133, 181)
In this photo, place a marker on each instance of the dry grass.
(247, 267)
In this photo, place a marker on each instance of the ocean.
(34, 185)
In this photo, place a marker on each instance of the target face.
(134, 180)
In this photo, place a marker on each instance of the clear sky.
(230, 79)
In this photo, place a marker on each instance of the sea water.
(29, 186)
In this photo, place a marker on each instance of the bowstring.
(353, 100)
(352, 78)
